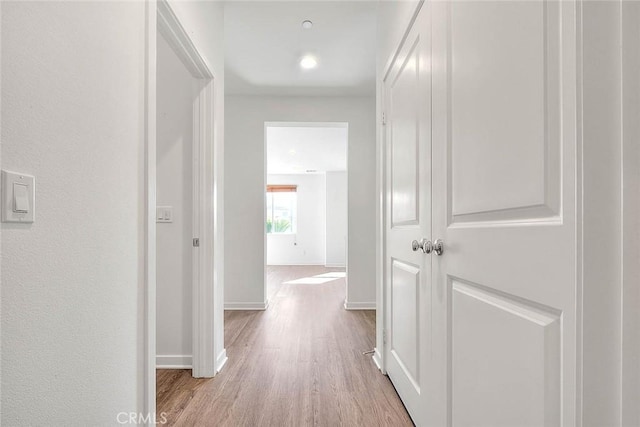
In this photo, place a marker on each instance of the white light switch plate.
(164, 213)
(18, 205)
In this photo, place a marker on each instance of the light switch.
(164, 213)
(18, 197)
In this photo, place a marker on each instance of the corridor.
(298, 363)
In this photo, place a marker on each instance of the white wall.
(307, 245)
(245, 172)
(601, 203)
(336, 196)
(174, 137)
(610, 57)
(73, 94)
(73, 103)
(610, 270)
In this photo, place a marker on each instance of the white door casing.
(209, 354)
(408, 214)
(504, 196)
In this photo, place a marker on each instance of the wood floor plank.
(299, 363)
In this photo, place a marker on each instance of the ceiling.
(298, 149)
(264, 42)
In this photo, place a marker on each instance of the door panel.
(504, 202)
(504, 73)
(405, 160)
(498, 344)
(405, 294)
(408, 215)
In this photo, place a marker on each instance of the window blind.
(282, 188)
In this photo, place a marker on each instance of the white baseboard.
(377, 359)
(359, 305)
(173, 362)
(246, 305)
(335, 265)
(221, 360)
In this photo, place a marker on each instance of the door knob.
(427, 247)
(438, 247)
(423, 244)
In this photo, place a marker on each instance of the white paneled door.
(408, 216)
(482, 153)
(504, 191)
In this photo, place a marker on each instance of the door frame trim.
(208, 335)
(630, 90)
(149, 214)
(301, 124)
(205, 177)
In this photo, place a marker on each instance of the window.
(282, 207)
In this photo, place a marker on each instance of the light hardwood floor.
(299, 363)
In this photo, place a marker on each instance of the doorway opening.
(174, 210)
(306, 212)
(183, 224)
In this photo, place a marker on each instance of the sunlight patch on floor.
(311, 281)
(334, 274)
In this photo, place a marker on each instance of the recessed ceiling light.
(307, 24)
(308, 62)
(292, 152)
